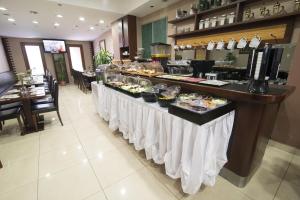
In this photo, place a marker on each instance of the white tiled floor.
(84, 160)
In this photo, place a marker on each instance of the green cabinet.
(152, 33)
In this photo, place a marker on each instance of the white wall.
(3, 61)
(107, 36)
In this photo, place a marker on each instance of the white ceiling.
(91, 10)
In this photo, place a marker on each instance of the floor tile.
(25, 192)
(140, 185)
(96, 146)
(288, 191)
(262, 186)
(276, 161)
(114, 165)
(293, 172)
(57, 160)
(74, 183)
(98, 196)
(222, 190)
(18, 173)
(19, 149)
(173, 185)
(58, 139)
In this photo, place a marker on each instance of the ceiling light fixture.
(56, 24)
(81, 19)
(35, 22)
(11, 19)
(33, 12)
(92, 28)
(3, 9)
(101, 21)
(59, 16)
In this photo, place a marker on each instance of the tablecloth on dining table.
(189, 151)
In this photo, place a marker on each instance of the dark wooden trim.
(23, 44)
(8, 54)
(69, 55)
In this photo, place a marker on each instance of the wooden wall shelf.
(239, 24)
(176, 21)
(220, 8)
(236, 25)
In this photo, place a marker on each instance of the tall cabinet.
(124, 33)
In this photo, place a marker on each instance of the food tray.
(201, 118)
(135, 95)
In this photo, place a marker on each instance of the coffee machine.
(263, 65)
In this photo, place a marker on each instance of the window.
(76, 57)
(153, 32)
(34, 58)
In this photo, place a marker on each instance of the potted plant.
(102, 57)
(101, 60)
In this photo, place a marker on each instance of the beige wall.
(3, 60)
(15, 45)
(107, 36)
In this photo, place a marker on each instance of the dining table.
(90, 77)
(26, 94)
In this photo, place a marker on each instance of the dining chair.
(12, 113)
(49, 97)
(84, 83)
(47, 107)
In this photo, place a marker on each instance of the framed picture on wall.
(102, 45)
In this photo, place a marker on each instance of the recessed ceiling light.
(59, 16)
(81, 19)
(56, 24)
(101, 21)
(92, 28)
(35, 22)
(3, 9)
(11, 19)
(33, 12)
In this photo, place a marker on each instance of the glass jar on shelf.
(222, 20)
(206, 23)
(231, 18)
(213, 22)
(201, 24)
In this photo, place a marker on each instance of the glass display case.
(160, 50)
(168, 96)
(144, 69)
(200, 109)
(132, 86)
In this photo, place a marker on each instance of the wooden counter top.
(234, 92)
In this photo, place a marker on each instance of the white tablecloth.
(191, 152)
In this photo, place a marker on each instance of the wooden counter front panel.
(252, 129)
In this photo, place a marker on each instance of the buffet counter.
(191, 152)
(253, 125)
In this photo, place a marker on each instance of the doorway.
(60, 67)
(76, 57)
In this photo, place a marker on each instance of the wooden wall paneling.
(132, 36)
(8, 53)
